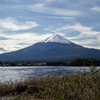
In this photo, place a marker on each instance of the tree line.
(84, 62)
(76, 62)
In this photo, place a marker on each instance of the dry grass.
(65, 87)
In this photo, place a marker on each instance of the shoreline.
(66, 85)
(73, 86)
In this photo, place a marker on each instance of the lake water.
(18, 73)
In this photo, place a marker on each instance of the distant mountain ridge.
(54, 48)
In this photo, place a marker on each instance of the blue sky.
(25, 22)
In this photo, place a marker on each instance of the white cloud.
(11, 24)
(97, 8)
(51, 10)
(89, 43)
(86, 36)
(42, 8)
(26, 38)
(69, 18)
(84, 31)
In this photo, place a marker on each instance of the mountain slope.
(48, 50)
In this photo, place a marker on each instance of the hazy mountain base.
(66, 87)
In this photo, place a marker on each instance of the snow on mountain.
(56, 38)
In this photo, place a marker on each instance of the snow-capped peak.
(57, 38)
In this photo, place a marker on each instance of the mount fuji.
(54, 48)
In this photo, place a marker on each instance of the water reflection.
(18, 73)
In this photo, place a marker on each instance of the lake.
(18, 73)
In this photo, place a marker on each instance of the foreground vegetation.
(66, 87)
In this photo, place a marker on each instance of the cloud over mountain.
(22, 22)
